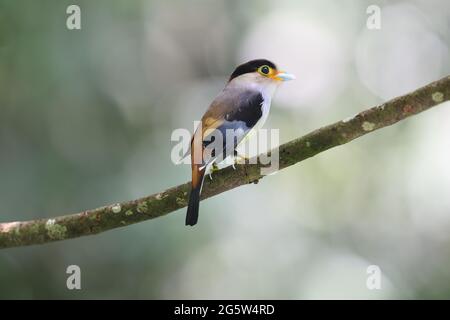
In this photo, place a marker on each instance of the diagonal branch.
(98, 220)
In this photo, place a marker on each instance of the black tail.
(194, 198)
(193, 206)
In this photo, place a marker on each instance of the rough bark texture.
(98, 220)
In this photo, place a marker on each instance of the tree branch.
(98, 220)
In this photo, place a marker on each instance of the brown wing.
(236, 110)
(213, 118)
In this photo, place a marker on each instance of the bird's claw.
(239, 158)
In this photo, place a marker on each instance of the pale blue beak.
(284, 76)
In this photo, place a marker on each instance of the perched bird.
(242, 105)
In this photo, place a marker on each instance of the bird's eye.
(265, 70)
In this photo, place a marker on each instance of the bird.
(242, 107)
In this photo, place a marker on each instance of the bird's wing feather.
(235, 110)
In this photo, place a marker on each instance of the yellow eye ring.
(264, 70)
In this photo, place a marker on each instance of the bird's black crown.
(251, 66)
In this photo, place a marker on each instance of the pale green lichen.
(161, 196)
(129, 213)
(437, 96)
(55, 231)
(142, 207)
(116, 208)
(34, 229)
(181, 201)
(368, 126)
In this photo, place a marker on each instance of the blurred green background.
(86, 118)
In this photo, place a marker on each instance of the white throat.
(254, 81)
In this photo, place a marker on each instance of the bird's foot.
(239, 159)
(214, 168)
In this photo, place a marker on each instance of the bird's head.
(261, 72)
